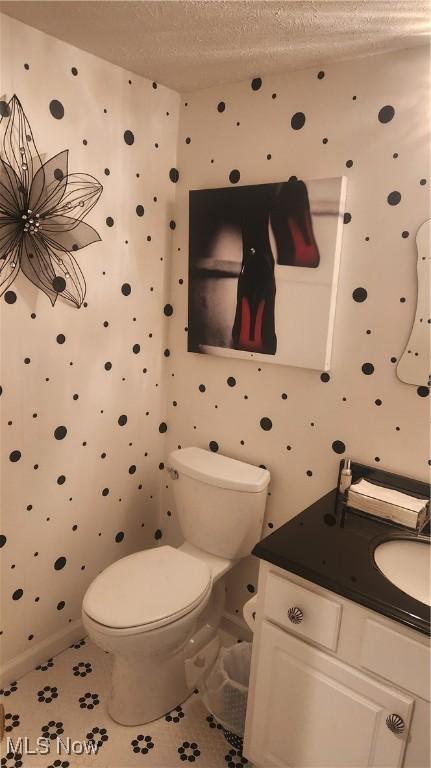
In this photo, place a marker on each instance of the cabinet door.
(309, 710)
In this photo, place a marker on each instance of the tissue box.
(389, 504)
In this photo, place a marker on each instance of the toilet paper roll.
(249, 612)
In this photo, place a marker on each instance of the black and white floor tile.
(64, 701)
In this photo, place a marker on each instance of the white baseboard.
(25, 662)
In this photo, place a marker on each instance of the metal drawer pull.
(295, 615)
(395, 723)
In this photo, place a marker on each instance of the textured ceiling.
(191, 44)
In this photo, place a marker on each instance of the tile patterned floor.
(66, 696)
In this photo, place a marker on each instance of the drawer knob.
(295, 615)
(395, 723)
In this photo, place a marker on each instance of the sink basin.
(406, 563)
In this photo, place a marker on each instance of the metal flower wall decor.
(42, 208)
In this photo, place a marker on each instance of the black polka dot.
(17, 595)
(105, 491)
(163, 427)
(129, 137)
(132, 469)
(2, 540)
(213, 446)
(61, 338)
(60, 563)
(10, 297)
(119, 537)
(231, 381)
(60, 605)
(394, 198)
(423, 182)
(109, 221)
(325, 377)
(321, 75)
(338, 446)
(136, 348)
(221, 106)
(423, 391)
(174, 175)
(74, 71)
(405, 234)
(359, 294)
(140, 210)
(168, 310)
(122, 420)
(347, 218)
(266, 423)
(15, 456)
(60, 433)
(59, 284)
(386, 114)
(126, 289)
(202, 387)
(256, 83)
(56, 108)
(349, 163)
(368, 369)
(298, 121)
(234, 176)
(61, 479)
(4, 109)
(108, 365)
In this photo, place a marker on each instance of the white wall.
(343, 107)
(42, 520)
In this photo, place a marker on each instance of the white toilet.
(158, 611)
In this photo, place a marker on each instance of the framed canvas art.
(263, 270)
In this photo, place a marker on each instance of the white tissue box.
(389, 504)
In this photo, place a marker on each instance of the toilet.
(157, 611)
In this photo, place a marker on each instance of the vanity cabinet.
(312, 701)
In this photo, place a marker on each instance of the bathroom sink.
(406, 564)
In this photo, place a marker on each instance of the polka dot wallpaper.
(366, 119)
(82, 403)
(93, 399)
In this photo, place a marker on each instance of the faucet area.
(214, 384)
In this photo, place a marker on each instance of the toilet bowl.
(157, 611)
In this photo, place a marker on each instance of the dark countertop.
(340, 558)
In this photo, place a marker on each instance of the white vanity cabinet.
(329, 688)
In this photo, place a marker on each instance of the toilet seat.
(148, 589)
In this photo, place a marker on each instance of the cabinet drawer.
(397, 658)
(320, 619)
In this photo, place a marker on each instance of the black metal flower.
(42, 208)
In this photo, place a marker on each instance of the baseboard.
(25, 662)
(236, 626)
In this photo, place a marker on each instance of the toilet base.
(144, 692)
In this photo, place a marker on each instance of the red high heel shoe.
(254, 328)
(292, 226)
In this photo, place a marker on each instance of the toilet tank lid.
(215, 469)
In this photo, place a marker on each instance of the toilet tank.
(220, 502)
